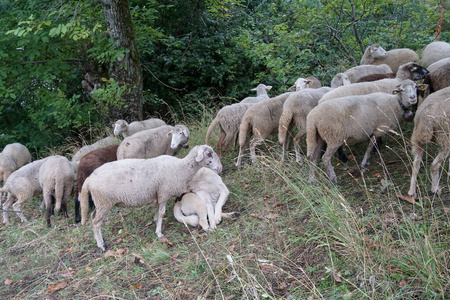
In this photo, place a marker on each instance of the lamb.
(355, 73)
(122, 126)
(150, 143)
(407, 71)
(22, 185)
(88, 164)
(12, 158)
(56, 178)
(137, 182)
(295, 109)
(204, 201)
(229, 118)
(431, 123)
(260, 121)
(376, 55)
(304, 83)
(434, 52)
(97, 145)
(353, 119)
(261, 94)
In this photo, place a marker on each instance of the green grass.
(354, 240)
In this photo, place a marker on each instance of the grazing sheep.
(56, 178)
(355, 73)
(204, 201)
(97, 145)
(407, 71)
(229, 118)
(259, 121)
(375, 77)
(295, 109)
(304, 83)
(434, 52)
(353, 119)
(431, 124)
(376, 55)
(22, 185)
(87, 165)
(338, 80)
(261, 94)
(12, 158)
(150, 143)
(122, 126)
(137, 182)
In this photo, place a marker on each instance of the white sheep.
(376, 55)
(339, 79)
(436, 65)
(434, 52)
(353, 119)
(22, 185)
(261, 94)
(122, 126)
(56, 178)
(431, 123)
(439, 78)
(137, 182)
(228, 118)
(150, 143)
(202, 205)
(355, 73)
(13, 157)
(304, 83)
(295, 109)
(259, 121)
(407, 71)
(110, 140)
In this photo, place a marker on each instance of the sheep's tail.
(285, 121)
(191, 220)
(210, 129)
(84, 201)
(59, 193)
(244, 131)
(311, 136)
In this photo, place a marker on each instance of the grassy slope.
(292, 240)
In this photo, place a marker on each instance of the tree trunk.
(126, 70)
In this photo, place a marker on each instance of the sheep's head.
(262, 89)
(119, 126)
(417, 72)
(408, 93)
(206, 157)
(180, 137)
(377, 51)
(300, 84)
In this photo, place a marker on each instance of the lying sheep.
(353, 119)
(137, 182)
(431, 123)
(22, 185)
(150, 143)
(434, 52)
(56, 178)
(355, 73)
(202, 205)
(261, 94)
(407, 71)
(122, 126)
(376, 55)
(87, 165)
(259, 121)
(97, 145)
(228, 118)
(304, 83)
(12, 158)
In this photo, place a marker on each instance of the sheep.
(228, 118)
(339, 79)
(295, 109)
(434, 52)
(436, 65)
(353, 119)
(376, 55)
(88, 164)
(22, 185)
(150, 143)
(122, 126)
(97, 145)
(204, 201)
(431, 123)
(355, 73)
(304, 83)
(407, 71)
(137, 182)
(13, 157)
(375, 77)
(261, 94)
(259, 121)
(439, 78)
(56, 178)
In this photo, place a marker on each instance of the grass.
(354, 240)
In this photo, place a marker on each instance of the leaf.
(8, 281)
(407, 198)
(336, 276)
(174, 256)
(138, 286)
(56, 286)
(377, 174)
(272, 216)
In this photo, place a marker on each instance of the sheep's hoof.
(77, 219)
(235, 214)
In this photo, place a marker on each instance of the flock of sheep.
(362, 103)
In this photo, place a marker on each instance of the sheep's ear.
(308, 82)
(253, 89)
(422, 87)
(397, 90)
(291, 88)
(186, 132)
(200, 155)
(269, 87)
(169, 133)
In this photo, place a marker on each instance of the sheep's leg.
(6, 206)
(67, 192)
(220, 203)
(17, 208)
(77, 209)
(98, 215)
(41, 206)
(326, 159)
(365, 162)
(203, 220)
(256, 141)
(242, 148)
(418, 153)
(434, 170)
(48, 206)
(220, 142)
(210, 214)
(313, 159)
(298, 157)
(159, 216)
